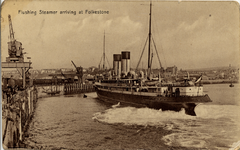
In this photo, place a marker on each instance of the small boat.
(231, 85)
(52, 92)
(84, 96)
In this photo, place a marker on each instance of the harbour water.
(74, 122)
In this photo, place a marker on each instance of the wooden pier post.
(20, 123)
(24, 77)
(29, 102)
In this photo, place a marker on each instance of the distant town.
(209, 75)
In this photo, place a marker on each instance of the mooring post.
(65, 88)
(73, 87)
(68, 88)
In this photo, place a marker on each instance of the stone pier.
(17, 111)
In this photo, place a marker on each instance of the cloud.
(187, 36)
(194, 43)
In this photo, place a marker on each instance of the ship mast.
(148, 40)
(149, 43)
(104, 51)
(104, 58)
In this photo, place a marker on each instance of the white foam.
(235, 145)
(117, 105)
(184, 140)
(218, 111)
(139, 116)
(188, 131)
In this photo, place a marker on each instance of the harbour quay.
(19, 102)
(17, 111)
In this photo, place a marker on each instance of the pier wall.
(17, 111)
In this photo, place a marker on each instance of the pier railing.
(17, 110)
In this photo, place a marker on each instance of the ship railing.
(152, 91)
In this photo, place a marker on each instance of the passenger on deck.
(177, 92)
(137, 89)
(11, 83)
(166, 93)
(10, 87)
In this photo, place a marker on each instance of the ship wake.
(186, 131)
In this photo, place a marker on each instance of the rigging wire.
(100, 61)
(154, 24)
(157, 53)
(151, 62)
(108, 63)
(142, 53)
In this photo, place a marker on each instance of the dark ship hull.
(144, 99)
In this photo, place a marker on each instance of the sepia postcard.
(148, 74)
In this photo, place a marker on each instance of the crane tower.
(14, 47)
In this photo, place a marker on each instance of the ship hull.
(143, 99)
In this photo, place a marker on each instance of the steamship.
(143, 91)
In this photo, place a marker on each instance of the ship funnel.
(117, 64)
(125, 62)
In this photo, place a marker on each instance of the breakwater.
(219, 81)
(18, 108)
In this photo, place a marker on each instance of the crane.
(79, 71)
(14, 47)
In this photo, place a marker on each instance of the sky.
(187, 34)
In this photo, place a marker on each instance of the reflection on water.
(74, 122)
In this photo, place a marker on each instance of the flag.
(199, 79)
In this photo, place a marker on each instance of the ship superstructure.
(130, 88)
